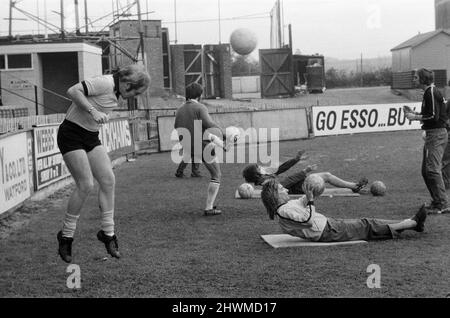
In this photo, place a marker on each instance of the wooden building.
(430, 50)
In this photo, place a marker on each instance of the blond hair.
(136, 75)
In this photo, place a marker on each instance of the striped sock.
(69, 225)
(108, 222)
(213, 189)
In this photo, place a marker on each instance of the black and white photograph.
(225, 156)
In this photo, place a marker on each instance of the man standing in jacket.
(433, 116)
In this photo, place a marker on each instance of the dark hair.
(426, 77)
(251, 173)
(270, 197)
(193, 91)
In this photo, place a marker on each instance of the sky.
(342, 29)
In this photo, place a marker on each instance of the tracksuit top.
(186, 116)
(434, 112)
(283, 168)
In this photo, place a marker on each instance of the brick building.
(36, 76)
(125, 34)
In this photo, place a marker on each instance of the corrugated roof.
(419, 39)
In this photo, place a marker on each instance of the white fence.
(246, 84)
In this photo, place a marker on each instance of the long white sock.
(213, 189)
(69, 225)
(108, 222)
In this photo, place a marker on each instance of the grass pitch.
(171, 250)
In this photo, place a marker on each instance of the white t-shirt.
(101, 95)
(295, 211)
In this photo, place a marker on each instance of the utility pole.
(280, 38)
(290, 36)
(141, 33)
(175, 5)
(86, 16)
(220, 29)
(282, 21)
(38, 24)
(11, 5)
(362, 80)
(62, 19)
(113, 10)
(77, 19)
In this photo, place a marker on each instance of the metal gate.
(193, 64)
(276, 72)
(202, 66)
(211, 71)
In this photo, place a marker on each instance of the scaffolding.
(62, 33)
(102, 37)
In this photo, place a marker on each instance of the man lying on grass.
(293, 181)
(299, 217)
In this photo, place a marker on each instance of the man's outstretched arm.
(290, 163)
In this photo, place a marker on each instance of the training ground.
(171, 250)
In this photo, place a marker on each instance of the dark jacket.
(283, 168)
(434, 110)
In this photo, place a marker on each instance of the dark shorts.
(73, 137)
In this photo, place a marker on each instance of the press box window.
(2, 62)
(19, 61)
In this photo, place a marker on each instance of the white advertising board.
(49, 163)
(352, 119)
(14, 171)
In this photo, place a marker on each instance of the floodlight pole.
(45, 18)
(38, 24)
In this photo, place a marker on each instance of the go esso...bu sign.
(351, 119)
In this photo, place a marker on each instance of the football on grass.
(245, 191)
(378, 188)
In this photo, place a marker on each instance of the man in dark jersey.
(293, 181)
(192, 120)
